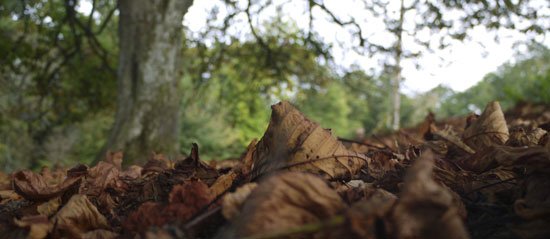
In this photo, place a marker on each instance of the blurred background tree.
(58, 75)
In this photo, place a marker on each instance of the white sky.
(465, 62)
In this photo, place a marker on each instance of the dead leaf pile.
(480, 176)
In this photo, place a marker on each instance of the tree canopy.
(58, 73)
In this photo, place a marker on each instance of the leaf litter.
(485, 176)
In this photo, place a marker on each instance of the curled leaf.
(223, 183)
(49, 208)
(77, 217)
(294, 142)
(185, 200)
(232, 202)
(100, 177)
(489, 129)
(520, 137)
(286, 200)
(193, 166)
(426, 209)
(34, 187)
(368, 218)
(100, 233)
(38, 226)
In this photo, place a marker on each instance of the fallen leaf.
(520, 137)
(157, 163)
(368, 218)
(38, 226)
(535, 203)
(223, 183)
(193, 166)
(286, 200)
(185, 200)
(381, 163)
(8, 195)
(50, 207)
(100, 234)
(294, 142)
(426, 209)
(232, 202)
(115, 158)
(78, 217)
(33, 187)
(489, 129)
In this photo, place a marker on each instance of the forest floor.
(485, 176)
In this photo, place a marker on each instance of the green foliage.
(330, 107)
(526, 80)
(58, 84)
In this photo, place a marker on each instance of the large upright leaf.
(296, 143)
(489, 129)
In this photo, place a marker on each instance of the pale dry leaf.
(223, 183)
(520, 137)
(448, 135)
(294, 142)
(535, 203)
(287, 200)
(232, 202)
(426, 209)
(489, 129)
(38, 226)
(50, 207)
(100, 234)
(103, 175)
(8, 195)
(78, 217)
(368, 218)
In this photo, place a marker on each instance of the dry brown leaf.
(368, 218)
(294, 142)
(285, 201)
(100, 234)
(489, 129)
(102, 176)
(185, 200)
(426, 209)
(520, 137)
(34, 187)
(8, 195)
(156, 164)
(115, 158)
(49, 208)
(534, 158)
(78, 217)
(448, 135)
(535, 204)
(5, 181)
(193, 166)
(132, 172)
(382, 163)
(38, 226)
(232, 202)
(537, 229)
(247, 161)
(223, 183)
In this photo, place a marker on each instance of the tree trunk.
(396, 83)
(149, 69)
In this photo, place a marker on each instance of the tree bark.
(148, 104)
(396, 83)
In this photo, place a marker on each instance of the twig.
(490, 185)
(359, 156)
(359, 142)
